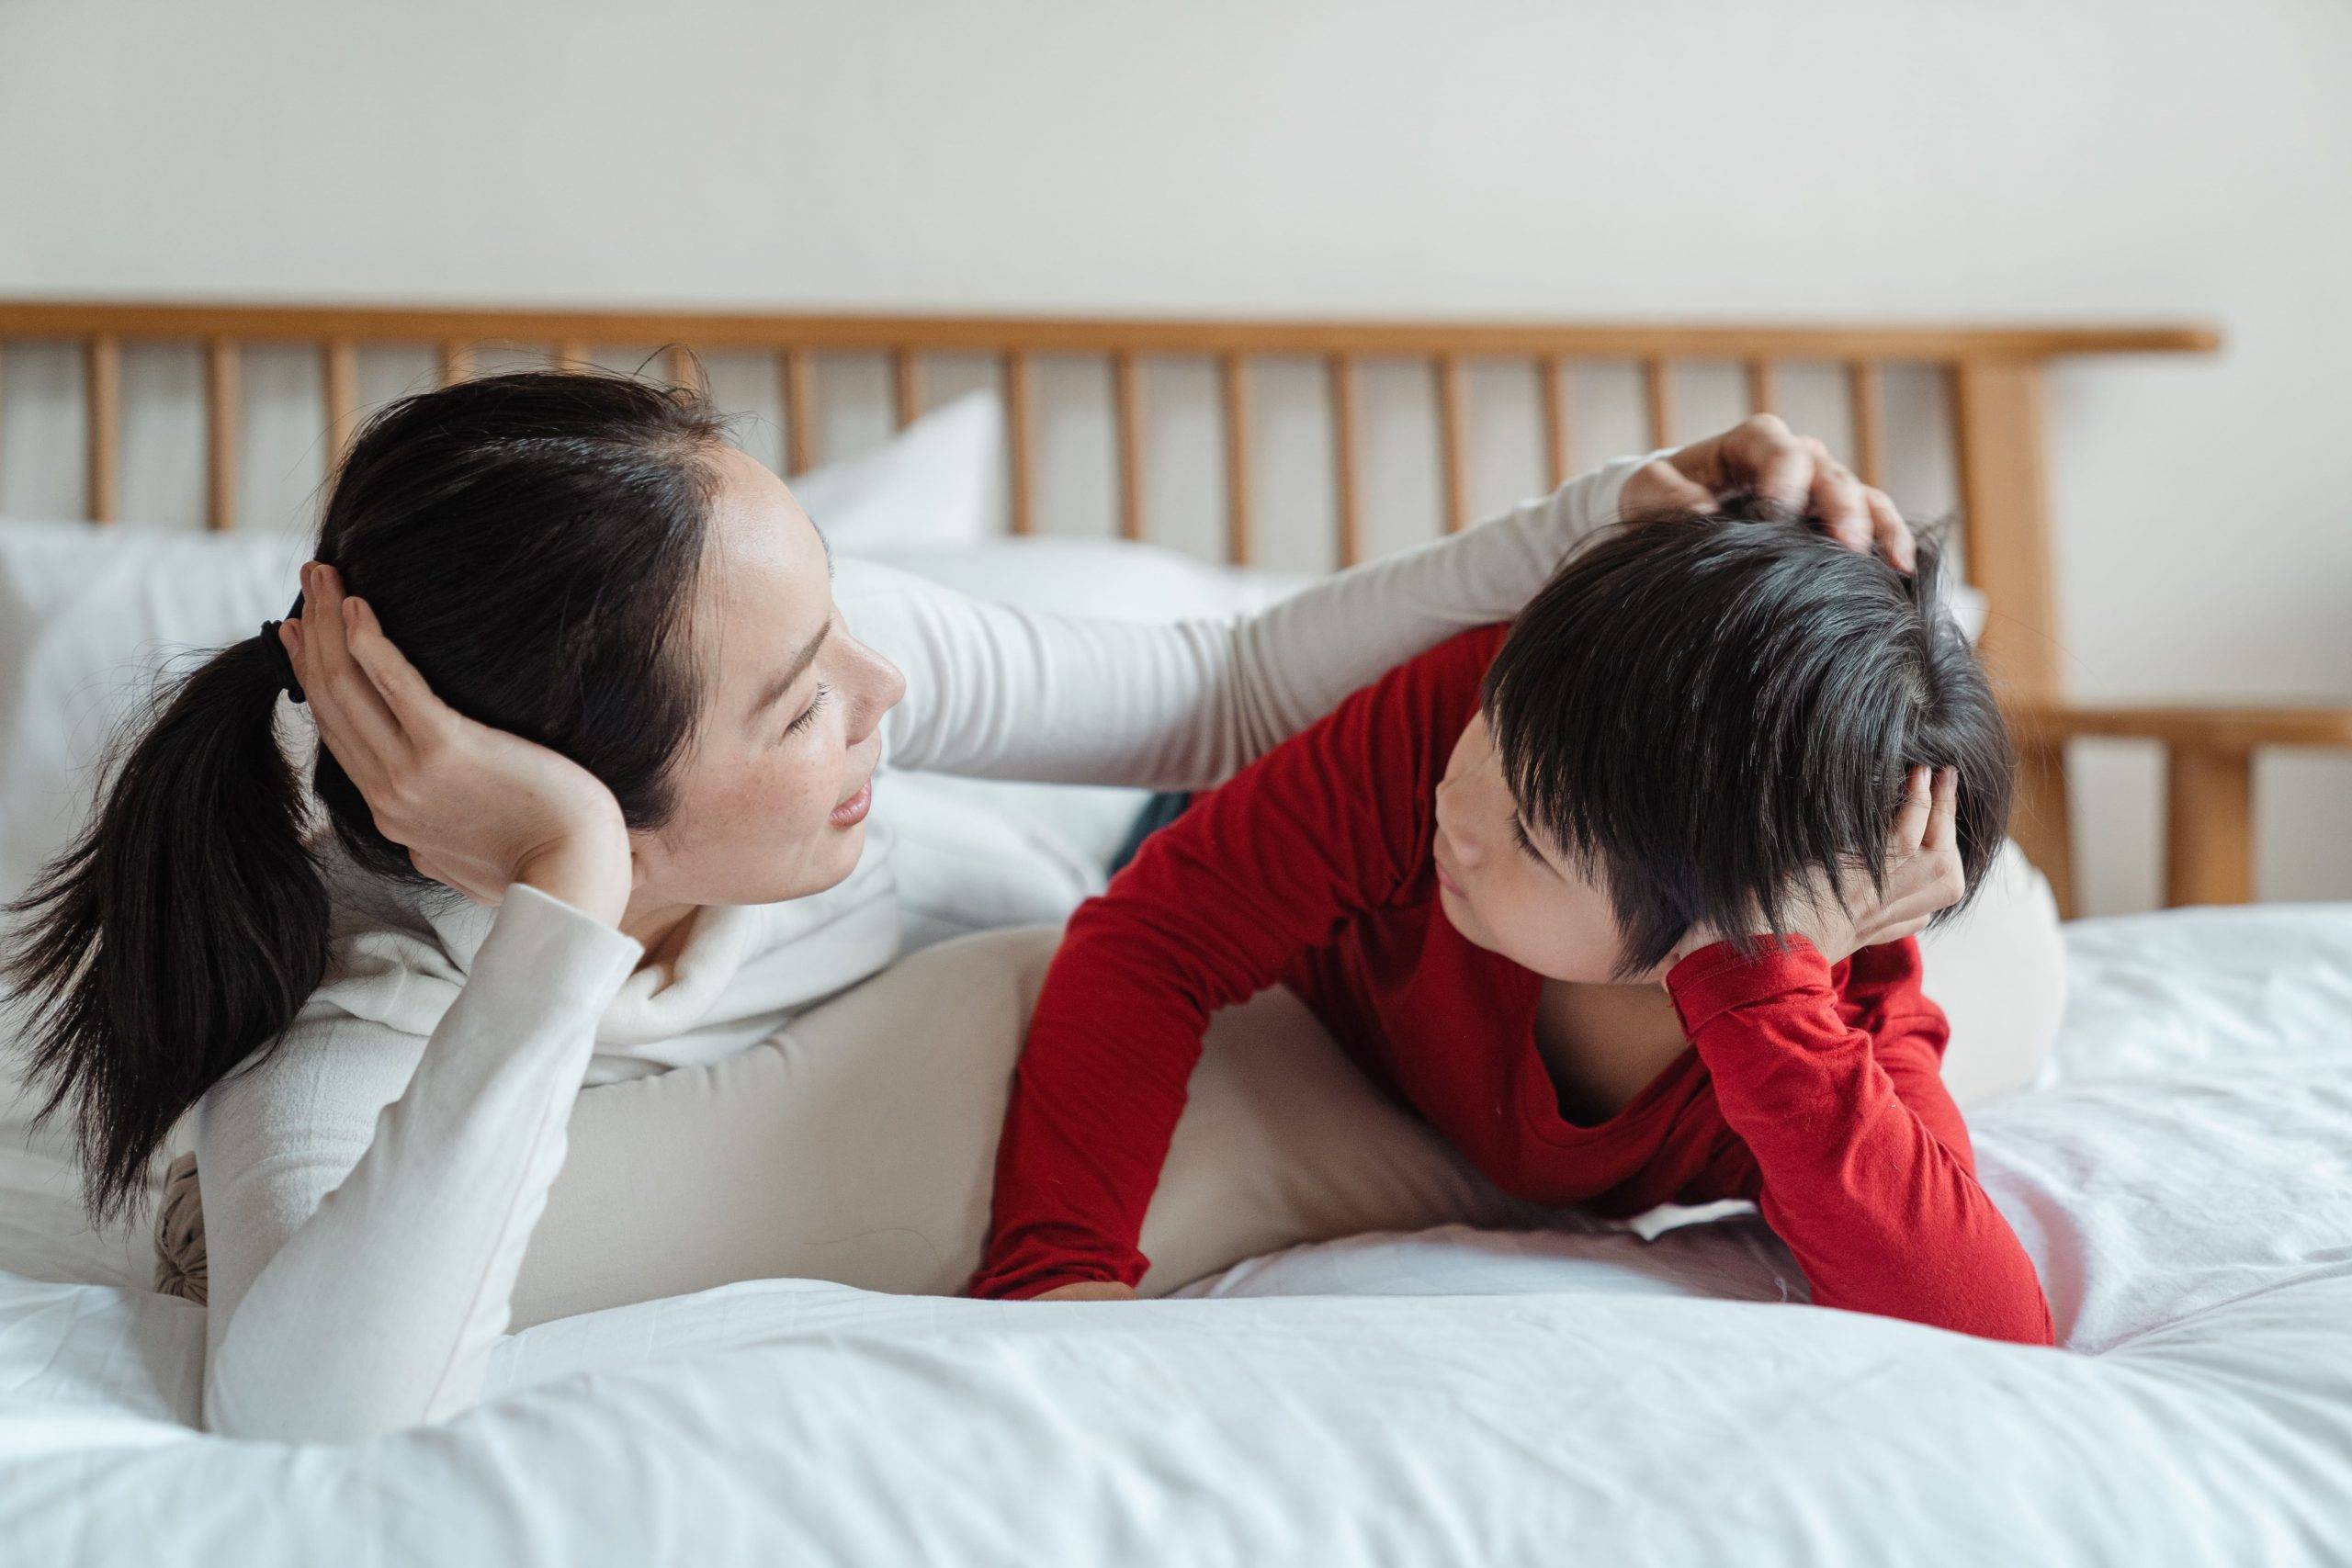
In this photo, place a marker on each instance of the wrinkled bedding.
(2185, 1187)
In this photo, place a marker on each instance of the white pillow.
(1110, 579)
(87, 616)
(937, 484)
(1999, 973)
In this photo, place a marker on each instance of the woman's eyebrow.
(792, 671)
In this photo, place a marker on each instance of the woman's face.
(774, 790)
(1509, 891)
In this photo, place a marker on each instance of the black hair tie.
(286, 678)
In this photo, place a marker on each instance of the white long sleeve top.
(369, 1185)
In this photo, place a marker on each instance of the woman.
(629, 721)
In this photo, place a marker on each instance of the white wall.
(2099, 158)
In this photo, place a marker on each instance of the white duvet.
(1449, 1397)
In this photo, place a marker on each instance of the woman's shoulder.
(396, 955)
(321, 1080)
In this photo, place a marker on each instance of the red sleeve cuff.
(1016, 1276)
(1719, 977)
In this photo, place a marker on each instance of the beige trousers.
(860, 1146)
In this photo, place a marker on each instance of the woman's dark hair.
(532, 543)
(1702, 708)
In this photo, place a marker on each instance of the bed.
(2183, 1179)
(1452, 1396)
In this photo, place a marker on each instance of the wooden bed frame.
(1994, 374)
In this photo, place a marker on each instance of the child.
(1700, 758)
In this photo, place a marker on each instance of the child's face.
(1539, 910)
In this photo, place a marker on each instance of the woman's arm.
(361, 1263)
(363, 1276)
(1000, 694)
(1863, 1160)
(1005, 694)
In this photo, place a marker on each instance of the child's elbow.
(2015, 1317)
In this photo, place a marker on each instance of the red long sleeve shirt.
(1812, 1089)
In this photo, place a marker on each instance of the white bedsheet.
(1454, 1397)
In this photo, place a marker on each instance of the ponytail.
(535, 536)
(182, 929)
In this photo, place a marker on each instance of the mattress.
(2185, 1187)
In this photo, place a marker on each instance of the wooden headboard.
(1995, 377)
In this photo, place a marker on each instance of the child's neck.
(1603, 1044)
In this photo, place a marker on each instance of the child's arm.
(1864, 1164)
(1207, 915)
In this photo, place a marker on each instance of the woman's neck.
(661, 928)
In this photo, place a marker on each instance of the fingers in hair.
(406, 692)
(1912, 818)
(1838, 500)
(351, 716)
(1894, 535)
(1944, 812)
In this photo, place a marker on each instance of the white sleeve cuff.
(544, 953)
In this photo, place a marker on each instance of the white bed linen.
(2186, 1190)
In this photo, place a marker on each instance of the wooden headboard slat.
(1347, 495)
(1552, 398)
(1453, 441)
(1021, 441)
(102, 394)
(1862, 397)
(1232, 384)
(1126, 411)
(223, 407)
(799, 388)
(339, 385)
(906, 387)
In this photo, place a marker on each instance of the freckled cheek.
(767, 801)
(795, 795)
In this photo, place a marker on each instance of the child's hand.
(1088, 1290)
(1923, 875)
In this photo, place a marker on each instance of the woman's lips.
(850, 812)
(1444, 880)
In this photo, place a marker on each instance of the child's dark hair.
(532, 542)
(1702, 708)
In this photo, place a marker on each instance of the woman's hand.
(1761, 453)
(1923, 875)
(1088, 1290)
(477, 808)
